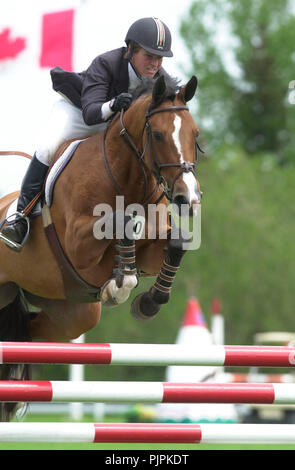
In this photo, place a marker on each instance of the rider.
(88, 101)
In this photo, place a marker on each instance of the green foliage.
(247, 249)
(243, 55)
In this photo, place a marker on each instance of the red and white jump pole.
(145, 392)
(146, 354)
(148, 433)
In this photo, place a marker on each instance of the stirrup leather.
(11, 243)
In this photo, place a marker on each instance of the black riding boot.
(32, 184)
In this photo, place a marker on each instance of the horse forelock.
(147, 85)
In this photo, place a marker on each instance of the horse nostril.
(179, 200)
(182, 205)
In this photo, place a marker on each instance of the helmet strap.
(130, 50)
(129, 57)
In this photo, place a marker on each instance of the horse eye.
(158, 136)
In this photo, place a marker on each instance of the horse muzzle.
(186, 196)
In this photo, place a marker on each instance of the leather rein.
(184, 167)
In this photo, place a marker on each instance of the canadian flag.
(56, 45)
(57, 39)
(10, 47)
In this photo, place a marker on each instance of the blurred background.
(243, 55)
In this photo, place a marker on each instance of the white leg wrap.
(119, 295)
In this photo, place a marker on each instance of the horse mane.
(147, 84)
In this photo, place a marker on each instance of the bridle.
(184, 167)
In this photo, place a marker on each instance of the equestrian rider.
(89, 99)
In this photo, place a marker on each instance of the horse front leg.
(117, 289)
(146, 305)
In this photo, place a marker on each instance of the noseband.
(184, 167)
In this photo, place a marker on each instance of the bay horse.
(53, 289)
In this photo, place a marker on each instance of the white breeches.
(65, 122)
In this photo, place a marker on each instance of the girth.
(75, 288)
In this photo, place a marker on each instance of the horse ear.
(159, 89)
(187, 92)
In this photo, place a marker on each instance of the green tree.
(243, 54)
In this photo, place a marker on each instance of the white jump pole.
(148, 433)
(76, 374)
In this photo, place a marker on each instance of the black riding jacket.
(105, 78)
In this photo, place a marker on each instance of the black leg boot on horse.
(146, 305)
(14, 235)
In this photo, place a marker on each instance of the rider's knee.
(45, 154)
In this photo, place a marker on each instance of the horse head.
(171, 135)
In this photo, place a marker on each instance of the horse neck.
(133, 120)
(123, 161)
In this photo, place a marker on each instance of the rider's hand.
(122, 101)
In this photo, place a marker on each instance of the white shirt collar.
(134, 80)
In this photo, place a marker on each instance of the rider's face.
(146, 64)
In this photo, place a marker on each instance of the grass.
(139, 447)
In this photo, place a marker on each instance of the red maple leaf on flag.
(10, 47)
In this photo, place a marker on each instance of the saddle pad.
(57, 169)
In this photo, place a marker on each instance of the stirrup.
(10, 243)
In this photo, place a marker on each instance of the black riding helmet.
(152, 35)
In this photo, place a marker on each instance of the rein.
(184, 167)
(11, 152)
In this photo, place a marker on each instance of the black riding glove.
(122, 101)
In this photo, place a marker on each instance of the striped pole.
(146, 392)
(146, 354)
(148, 433)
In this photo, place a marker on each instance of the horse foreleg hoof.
(113, 295)
(143, 307)
(105, 295)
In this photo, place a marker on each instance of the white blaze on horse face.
(188, 178)
(176, 132)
